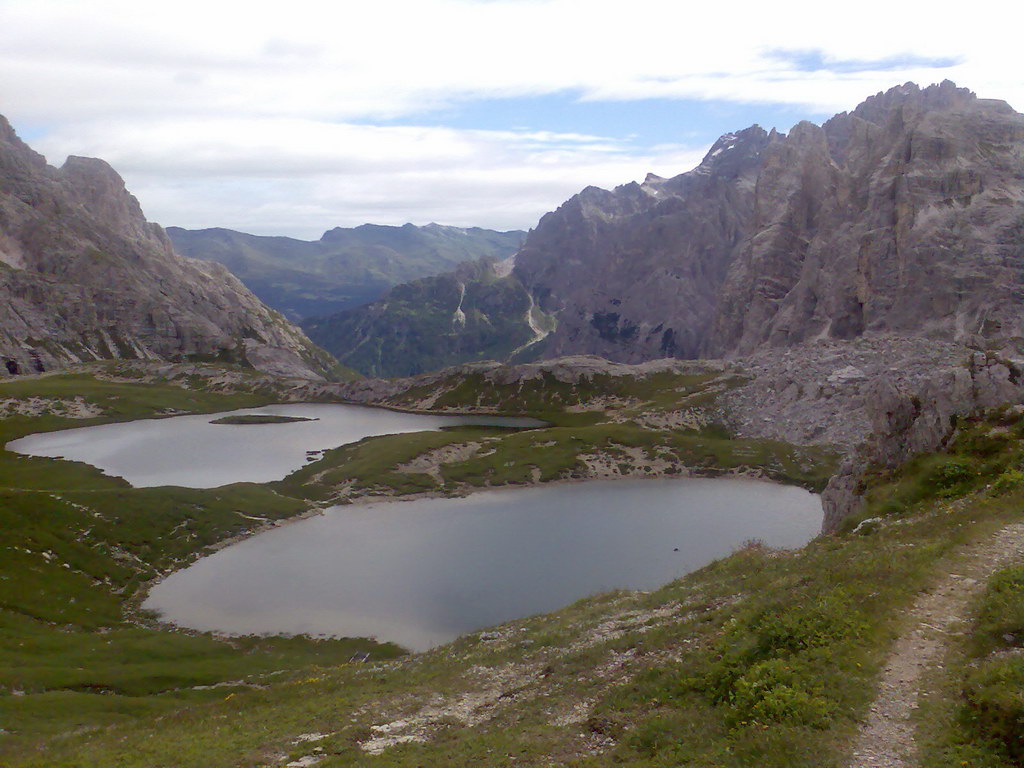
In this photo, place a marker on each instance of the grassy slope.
(76, 546)
(554, 453)
(762, 657)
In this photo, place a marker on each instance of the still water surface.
(190, 451)
(421, 573)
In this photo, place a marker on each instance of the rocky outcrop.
(345, 268)
(824, 392)
(914, 417)
(84, 276)
(904, 216)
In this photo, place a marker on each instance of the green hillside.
(346, 267)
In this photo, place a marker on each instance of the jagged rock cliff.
(911, 417)
(84, 276)
(904, 216)
(634, 274)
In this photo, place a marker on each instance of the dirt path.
(886, 739)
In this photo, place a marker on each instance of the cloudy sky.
(292, 117)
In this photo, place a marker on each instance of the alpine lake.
(423, 572)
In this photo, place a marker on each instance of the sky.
(293, 117)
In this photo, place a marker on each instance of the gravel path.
(886, 739)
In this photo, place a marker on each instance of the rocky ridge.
(84, 276)
(633, 274)
(903, 216)
(910, 416)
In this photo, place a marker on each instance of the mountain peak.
(946, 95)
(749, 140)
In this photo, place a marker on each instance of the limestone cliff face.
(913, 417)
(84, 276)
(635, 274)
(905, 215)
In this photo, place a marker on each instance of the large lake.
(423, 572)
(190, 451)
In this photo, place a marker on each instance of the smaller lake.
(420, 573)
(189, 451)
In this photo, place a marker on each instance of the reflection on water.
(423, 572)
(190, 451)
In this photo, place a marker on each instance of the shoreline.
(597, 470)
(745, 473)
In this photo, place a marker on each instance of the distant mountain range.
(346, 267)
(904, 216)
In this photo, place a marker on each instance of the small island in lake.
(260, 418)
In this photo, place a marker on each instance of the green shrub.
(892, 507)
(780, 691)
(829, 619)
(994, 705)
(770, 668)
(1010, 480)
(951, 477)
(654, 736)
(1000, 617)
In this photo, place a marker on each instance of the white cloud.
(301, 177)
(232, 112)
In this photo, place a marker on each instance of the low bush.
(1010, 480)
(994, 705)
(1000, 617)
(781, 690)
(769, 668)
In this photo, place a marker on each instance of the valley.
(346, 267)
(622, 677)
(567, 485)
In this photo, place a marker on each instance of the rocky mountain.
(84, 276)
(904, 216)
(345, 267)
